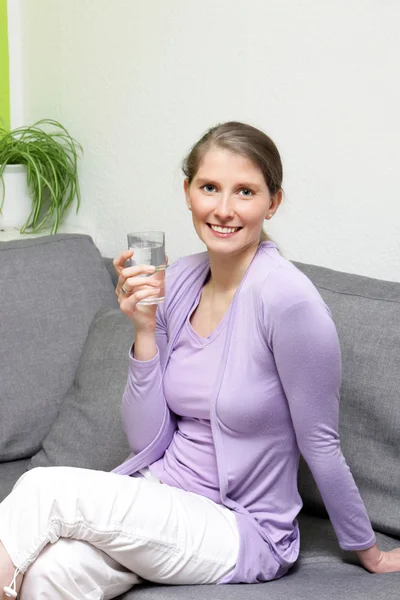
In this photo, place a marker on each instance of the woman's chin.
(229, 247)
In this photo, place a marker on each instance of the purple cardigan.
(277, 396)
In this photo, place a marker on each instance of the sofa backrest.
(366, 313)
(108, 262)
(50, 289)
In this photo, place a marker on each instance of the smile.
(223, 231)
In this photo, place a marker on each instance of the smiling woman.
(229, 380)
(254, 160)
(233, 184)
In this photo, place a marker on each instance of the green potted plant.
(42, 158)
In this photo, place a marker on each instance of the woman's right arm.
(144, 407)
(145, 347)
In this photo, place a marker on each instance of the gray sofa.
(63, 364)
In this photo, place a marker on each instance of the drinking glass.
(149, 249)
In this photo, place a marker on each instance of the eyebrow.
(244, 184)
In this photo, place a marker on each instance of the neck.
(228, 271)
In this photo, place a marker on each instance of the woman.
(236, 374)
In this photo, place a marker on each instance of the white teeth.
(224, 229)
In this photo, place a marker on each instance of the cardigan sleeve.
(307, 354)
(144, 407)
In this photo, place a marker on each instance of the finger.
(121, 258)
(130, 288)
(137, 270)
(129, 302)
(119, 261)
(120, 283)
(125, 292)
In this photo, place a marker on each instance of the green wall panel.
(4, 72)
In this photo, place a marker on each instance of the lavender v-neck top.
(276, 395)
(190, 461)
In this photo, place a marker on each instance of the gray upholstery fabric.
(9, 473)
(50, 289)
(88, 430)
(310, 582)
(366, 312)
(110, 268)
(323, 572)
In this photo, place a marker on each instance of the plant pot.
(17, 202)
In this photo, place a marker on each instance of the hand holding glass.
(149, 249)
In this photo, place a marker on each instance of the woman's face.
(229, 201)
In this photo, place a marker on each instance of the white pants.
(108, 532)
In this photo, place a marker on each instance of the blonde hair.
(243, 139)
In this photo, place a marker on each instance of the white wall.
(137, 82)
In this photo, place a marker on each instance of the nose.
(224, 207)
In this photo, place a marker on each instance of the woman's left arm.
(307, 354)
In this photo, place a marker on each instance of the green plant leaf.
(51, 157)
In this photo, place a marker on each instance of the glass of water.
(149, 249)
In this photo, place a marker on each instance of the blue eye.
(247, 193)
(207, 187)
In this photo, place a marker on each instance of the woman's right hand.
(136, 288)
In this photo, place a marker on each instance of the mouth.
(222, 231)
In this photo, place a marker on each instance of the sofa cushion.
(310, 582)
(10, 472)
(88, 431)
(50, 289)
(366, 313)
(322, 572)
